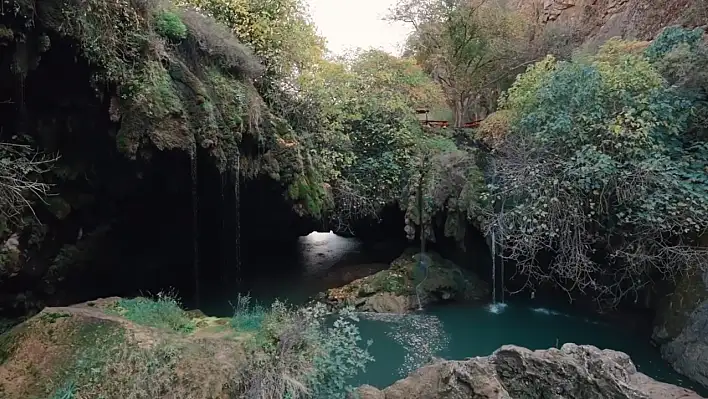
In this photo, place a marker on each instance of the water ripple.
(421, 336)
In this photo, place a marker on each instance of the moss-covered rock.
(93, 352)
(399, 288)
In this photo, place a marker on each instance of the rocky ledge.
(93, 350)
(394, 290)
(513, 372)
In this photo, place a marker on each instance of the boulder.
(511, 372)
(681, 325)
(406, 285)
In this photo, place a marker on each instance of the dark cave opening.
(130, 229)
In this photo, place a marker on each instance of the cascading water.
(237, 216)
(496, 307)
(195, 223)
(494, 269)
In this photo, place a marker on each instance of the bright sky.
(349, 24)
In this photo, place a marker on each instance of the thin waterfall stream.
(195, 223)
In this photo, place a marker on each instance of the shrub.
(247, 317)
(67, 391)
(598, 174)
(297, 355)
(170, 26)
(163, 312)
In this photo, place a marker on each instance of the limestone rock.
(514, 372)
(598, 20)
(688, 353)
(399, 288)
(109, 356)
(386, 302)
(681, 326)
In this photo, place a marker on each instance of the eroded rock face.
(681, 326)
(598, 20)
(107, 356)
(514, 372)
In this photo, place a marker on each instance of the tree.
(599, 175)
(470, 47)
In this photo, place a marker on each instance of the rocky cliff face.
(682, 326)
(598, 20)
(160, 139)
(513, 372)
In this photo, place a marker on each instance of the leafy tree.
(469, 47)
(279, 31)
(607, 185)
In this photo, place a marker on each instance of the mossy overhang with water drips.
(133, 111)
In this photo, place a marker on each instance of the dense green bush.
(297, 353)
(599, 173)
(170, 26)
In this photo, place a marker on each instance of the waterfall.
(195, 223)
(494, 268)
(223, 206)
(237, 215)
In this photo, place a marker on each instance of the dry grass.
(217, 42)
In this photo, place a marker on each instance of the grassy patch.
(162, 312)
(247, 316)
(66, 391)
(53, 317)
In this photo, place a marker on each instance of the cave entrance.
(298, 268)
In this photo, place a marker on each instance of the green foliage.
(279, 31)
(609, 181)
(162, 312)
(67, 391)
(452, 186)
(521, 95)
(672, 37)
(112, 34)
(472, 47)
(170, 26)
(247, 317)
(299, 354)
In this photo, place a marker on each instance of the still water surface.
(402, 343)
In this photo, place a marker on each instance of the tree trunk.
(460, 111)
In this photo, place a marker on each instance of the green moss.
(95, 344)
(112, 34)
(231, 99)
(153, 93)
(163, 312)
(311, 194)
(170, 26)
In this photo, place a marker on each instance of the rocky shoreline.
(513, 372)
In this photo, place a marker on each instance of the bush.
(163, 312)
(599, 174)
(298, 356)
(247, 317)
(170, 26)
